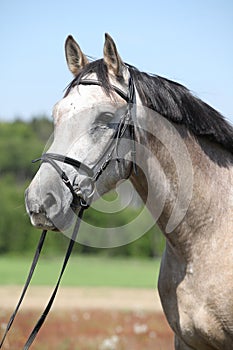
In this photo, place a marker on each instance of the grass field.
(82, 271)
(88, 328)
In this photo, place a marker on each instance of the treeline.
(20, 142)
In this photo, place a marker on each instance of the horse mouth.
(40, 221)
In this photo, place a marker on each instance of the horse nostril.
(50, 201)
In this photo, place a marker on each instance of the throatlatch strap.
(50, 303)
(34, 262)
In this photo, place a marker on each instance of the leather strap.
(53, 295)
(121, 93)
(51, 300)
(47, 157)
(28, 280)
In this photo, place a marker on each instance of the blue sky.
(189, 41)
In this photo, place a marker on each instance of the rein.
(79, 201)
(43, 316)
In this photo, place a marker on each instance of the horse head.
(91, 150)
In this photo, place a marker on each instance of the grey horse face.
(84, 123)
(82, 133)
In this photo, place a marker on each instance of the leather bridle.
(126, 122)
(79, 200)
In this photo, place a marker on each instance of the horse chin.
(40, 221)
(59, 223)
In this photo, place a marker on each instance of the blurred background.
(186, 41)
(190, 42)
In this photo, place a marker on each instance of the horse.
(116, 123)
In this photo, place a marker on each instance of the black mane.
(172, 100)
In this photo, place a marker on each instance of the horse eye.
(104, 117)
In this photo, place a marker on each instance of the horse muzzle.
(48, 211)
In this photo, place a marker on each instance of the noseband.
(126, 122)
(79, 200)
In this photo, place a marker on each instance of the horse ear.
(112, 59)
(75, 58)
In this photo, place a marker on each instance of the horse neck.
(188, 187)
